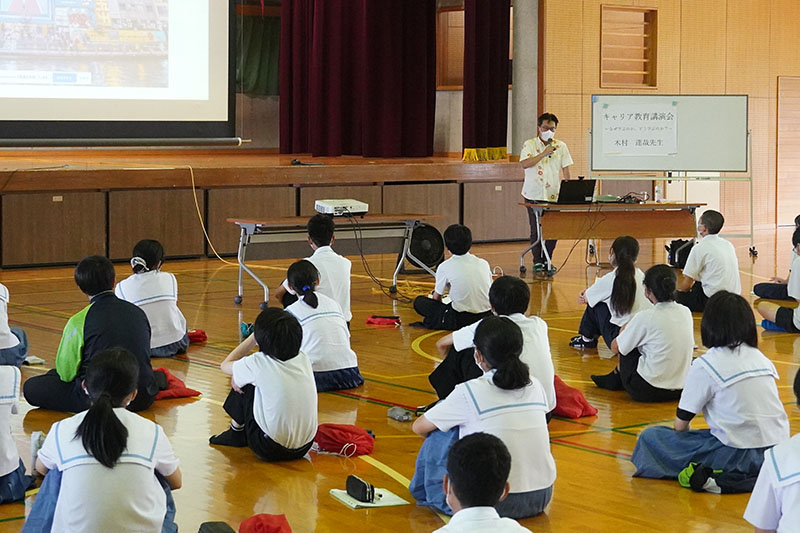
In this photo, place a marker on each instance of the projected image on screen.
(91, 43)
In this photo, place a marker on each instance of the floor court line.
(588, 448)
(415, 346)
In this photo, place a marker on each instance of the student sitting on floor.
(334, 270)
(156, 293)
(509, 297)
(468, 278)
(477, 472)
(655, 347)
(107, 322)
(733, 385)
(775, 502)
(13, 341)
(612, 299)
(505, 402)
(13, 481)
(108, 469)
(777, 288)
(326, 337)
(711, 266)
(786, 318)
(273, 401)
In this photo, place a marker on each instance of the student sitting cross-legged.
(777, 288)
(107, 322)
(778, 316)
(273, 400)
(477, 471)
(655, 347)
(468, 278)
(733, 385)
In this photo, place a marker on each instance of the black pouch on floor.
(360, 489)
(678, 252)
(215, 527)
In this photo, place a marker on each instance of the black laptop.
(576, 192)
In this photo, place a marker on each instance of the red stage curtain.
(485, 119)
(358, 77)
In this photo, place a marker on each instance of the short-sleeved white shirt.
(535, 350)
(601, 289)
(469, 278)
(793, 287)
(285, 404)
(517, 417)
(326, 339)
(334, 277)
(480, 520)
(156, 293)
(735, 390)
(10, 378)
(543, 181)
(94, 498)
(775, 502)
(664, 335)
(712, 262)
(7, 339)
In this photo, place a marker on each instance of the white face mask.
(547, 135)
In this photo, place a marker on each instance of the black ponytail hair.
(146, 256)
(110, 377)
(499, 340)
(662, 282)
(623, 293)
(303, 277)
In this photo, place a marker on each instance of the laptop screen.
(576, 192)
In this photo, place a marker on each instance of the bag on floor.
(344, 439)
(678, 252)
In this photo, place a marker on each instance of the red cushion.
(175, 387)
(570, 402)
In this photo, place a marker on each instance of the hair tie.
(138, 261)
(305, 288)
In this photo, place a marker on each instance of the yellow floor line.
(418, 341)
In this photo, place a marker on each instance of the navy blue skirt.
(343, 378)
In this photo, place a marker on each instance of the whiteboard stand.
(748, 178)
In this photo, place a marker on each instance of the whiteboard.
(700, 133)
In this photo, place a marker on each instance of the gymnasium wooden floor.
(594, 490)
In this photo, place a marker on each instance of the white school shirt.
(517, 417)
(326, 339)
(793, 287)
(736, 391)
(543, 181)
(480, 520)
(94, 498)
(775, 502)
(664, 335)
(7, 339)
(285, 404)
(10, 378)
(712, 262)
(334, 277)
(469, 278)
(600, 291)
(156, 293)
(535, 350)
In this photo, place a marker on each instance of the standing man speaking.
(543, 158)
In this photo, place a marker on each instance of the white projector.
(341, 208)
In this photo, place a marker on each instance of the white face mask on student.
(547, 135)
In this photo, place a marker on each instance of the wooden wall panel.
(784, 40)
(563, 46)
(430, 199)
(52, 227)
(788, 153)
(702, 71)
(572, 126)
(747, 48)
(669, 44)
(371, 194)
(244, 202)
(492, 213)
(167, 215)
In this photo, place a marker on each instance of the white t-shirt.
(94, 498)
(535, 350)
(543, 180)
(736, 391)
(326, 339)
(156, 293)
(7, 339)
(712, 262)
(334, 277)
(480, 520)
(469, 278)
(664, 335)
(517, 417)
(285, 405)
(793, 287)
(601, 289)
(10, 378)
(775, 502)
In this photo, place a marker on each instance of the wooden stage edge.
(102, 170)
